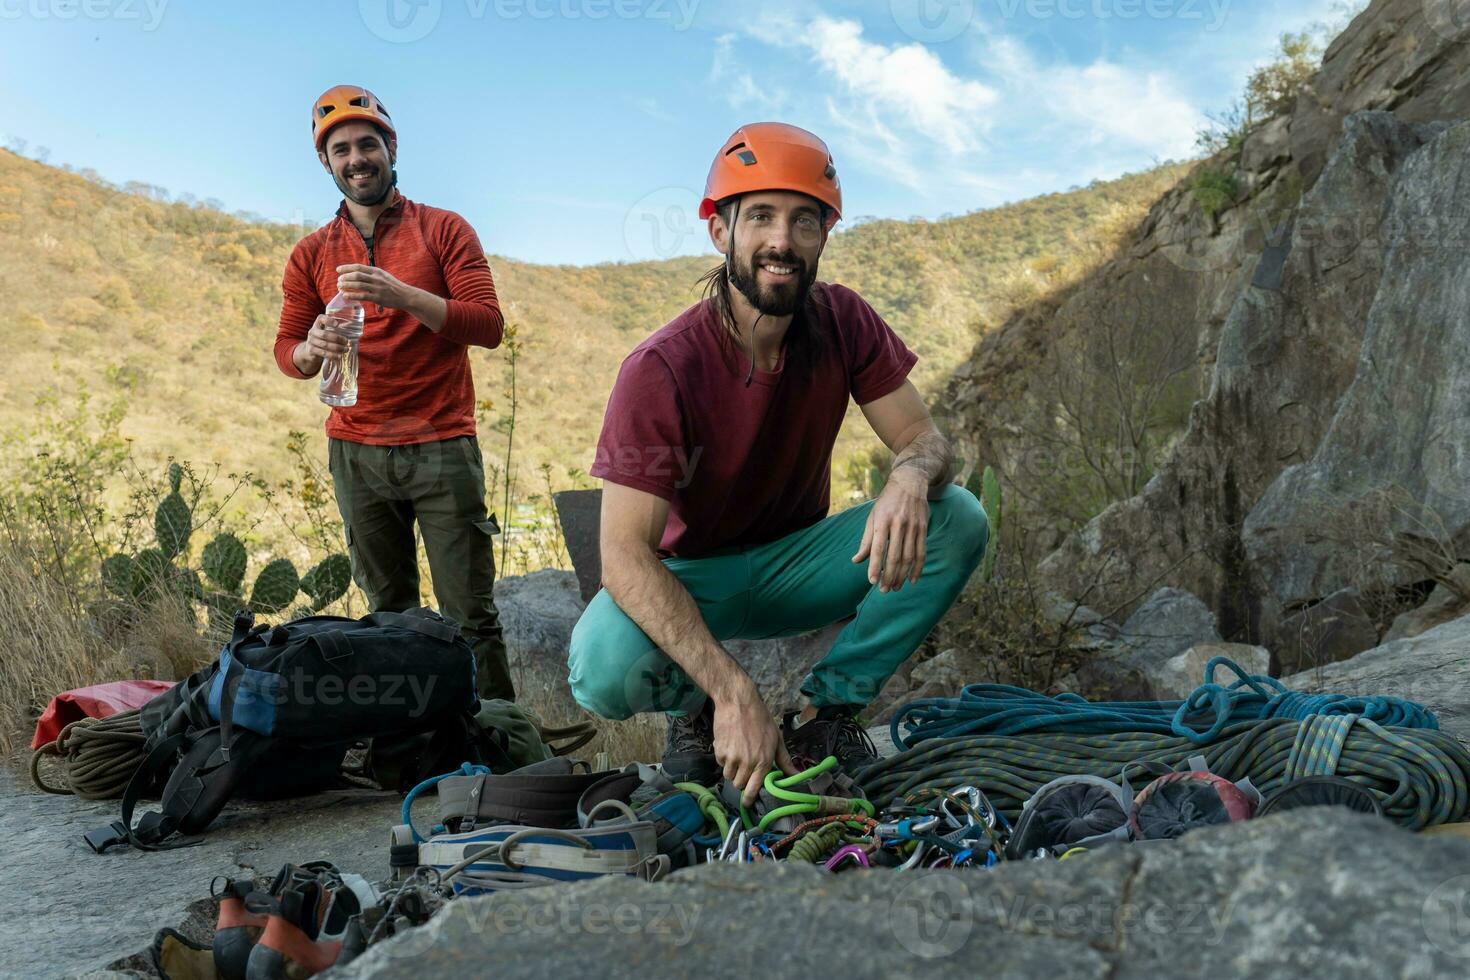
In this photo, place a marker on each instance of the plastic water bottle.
(339, 374)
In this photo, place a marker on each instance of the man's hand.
(896, 535)
(370, 284)
(322, 341)
(747, 739)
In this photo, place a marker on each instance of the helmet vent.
(747, 158)
(737, 146)
(360, 101)
(325, 110)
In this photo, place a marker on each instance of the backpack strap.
(429, 626)
(155, 826)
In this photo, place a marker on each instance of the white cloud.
(907, 83)
(737, 84)
(1100, 104)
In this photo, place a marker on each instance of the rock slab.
(1316, 892)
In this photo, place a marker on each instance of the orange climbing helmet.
(345, 103)
(772, 156)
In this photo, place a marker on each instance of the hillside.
(1278, 422)
(175, 306)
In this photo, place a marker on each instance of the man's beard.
(373, 193)
(777, 300)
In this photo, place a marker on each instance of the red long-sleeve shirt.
(414, 385)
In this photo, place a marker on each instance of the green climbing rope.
(1419, 775)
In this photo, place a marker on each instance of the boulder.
(538, 612)
(1432, 668)
(1443, 605)
(1129, 659)
(1311, 892)
(944, 671)
(1334, 629)
(1178, 676)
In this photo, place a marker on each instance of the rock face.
(1177, 678)
(1314, 892)
(1333, 278)
(538, 612)
(1130, 661)
(1403, 422)
(1445, 603)
(1284, 358)
(1432, 668)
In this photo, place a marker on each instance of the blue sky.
(581, 130)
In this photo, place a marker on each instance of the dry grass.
(53, 643)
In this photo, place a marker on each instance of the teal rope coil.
(1421, 776)
(999, 709)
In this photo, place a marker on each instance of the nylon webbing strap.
(436, 628)
(546, 798)
(333, 644)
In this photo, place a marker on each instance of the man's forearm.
(655, 599)
(929, 454)
(426, 308)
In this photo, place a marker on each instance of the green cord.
(797, 802)
(709, 805)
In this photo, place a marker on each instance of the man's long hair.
(806, 338)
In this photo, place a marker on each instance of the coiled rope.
(96, 756)
(1419, 775)
(999, 709)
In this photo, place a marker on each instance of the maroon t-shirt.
(741, 465)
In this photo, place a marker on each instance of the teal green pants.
(796, 584)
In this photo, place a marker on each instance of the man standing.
(406, 452)
(716, 452)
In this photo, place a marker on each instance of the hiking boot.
(689, 755)
(834, 731)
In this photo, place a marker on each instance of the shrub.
(1214, 190)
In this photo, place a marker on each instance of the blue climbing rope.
(1000, 709)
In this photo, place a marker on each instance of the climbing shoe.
(237, 930)
(689, 755)
(834, 731)
(239, 926)
(306, 922)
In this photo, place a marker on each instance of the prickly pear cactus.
(152, 571)
(172, 525)
(328, 581)
(175, 476)
(222, 607)
(990, 499)
(119, 573)
(275, 587)
(224, 562)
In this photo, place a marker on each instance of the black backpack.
(274, 716)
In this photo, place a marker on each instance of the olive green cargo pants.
(381, 491)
